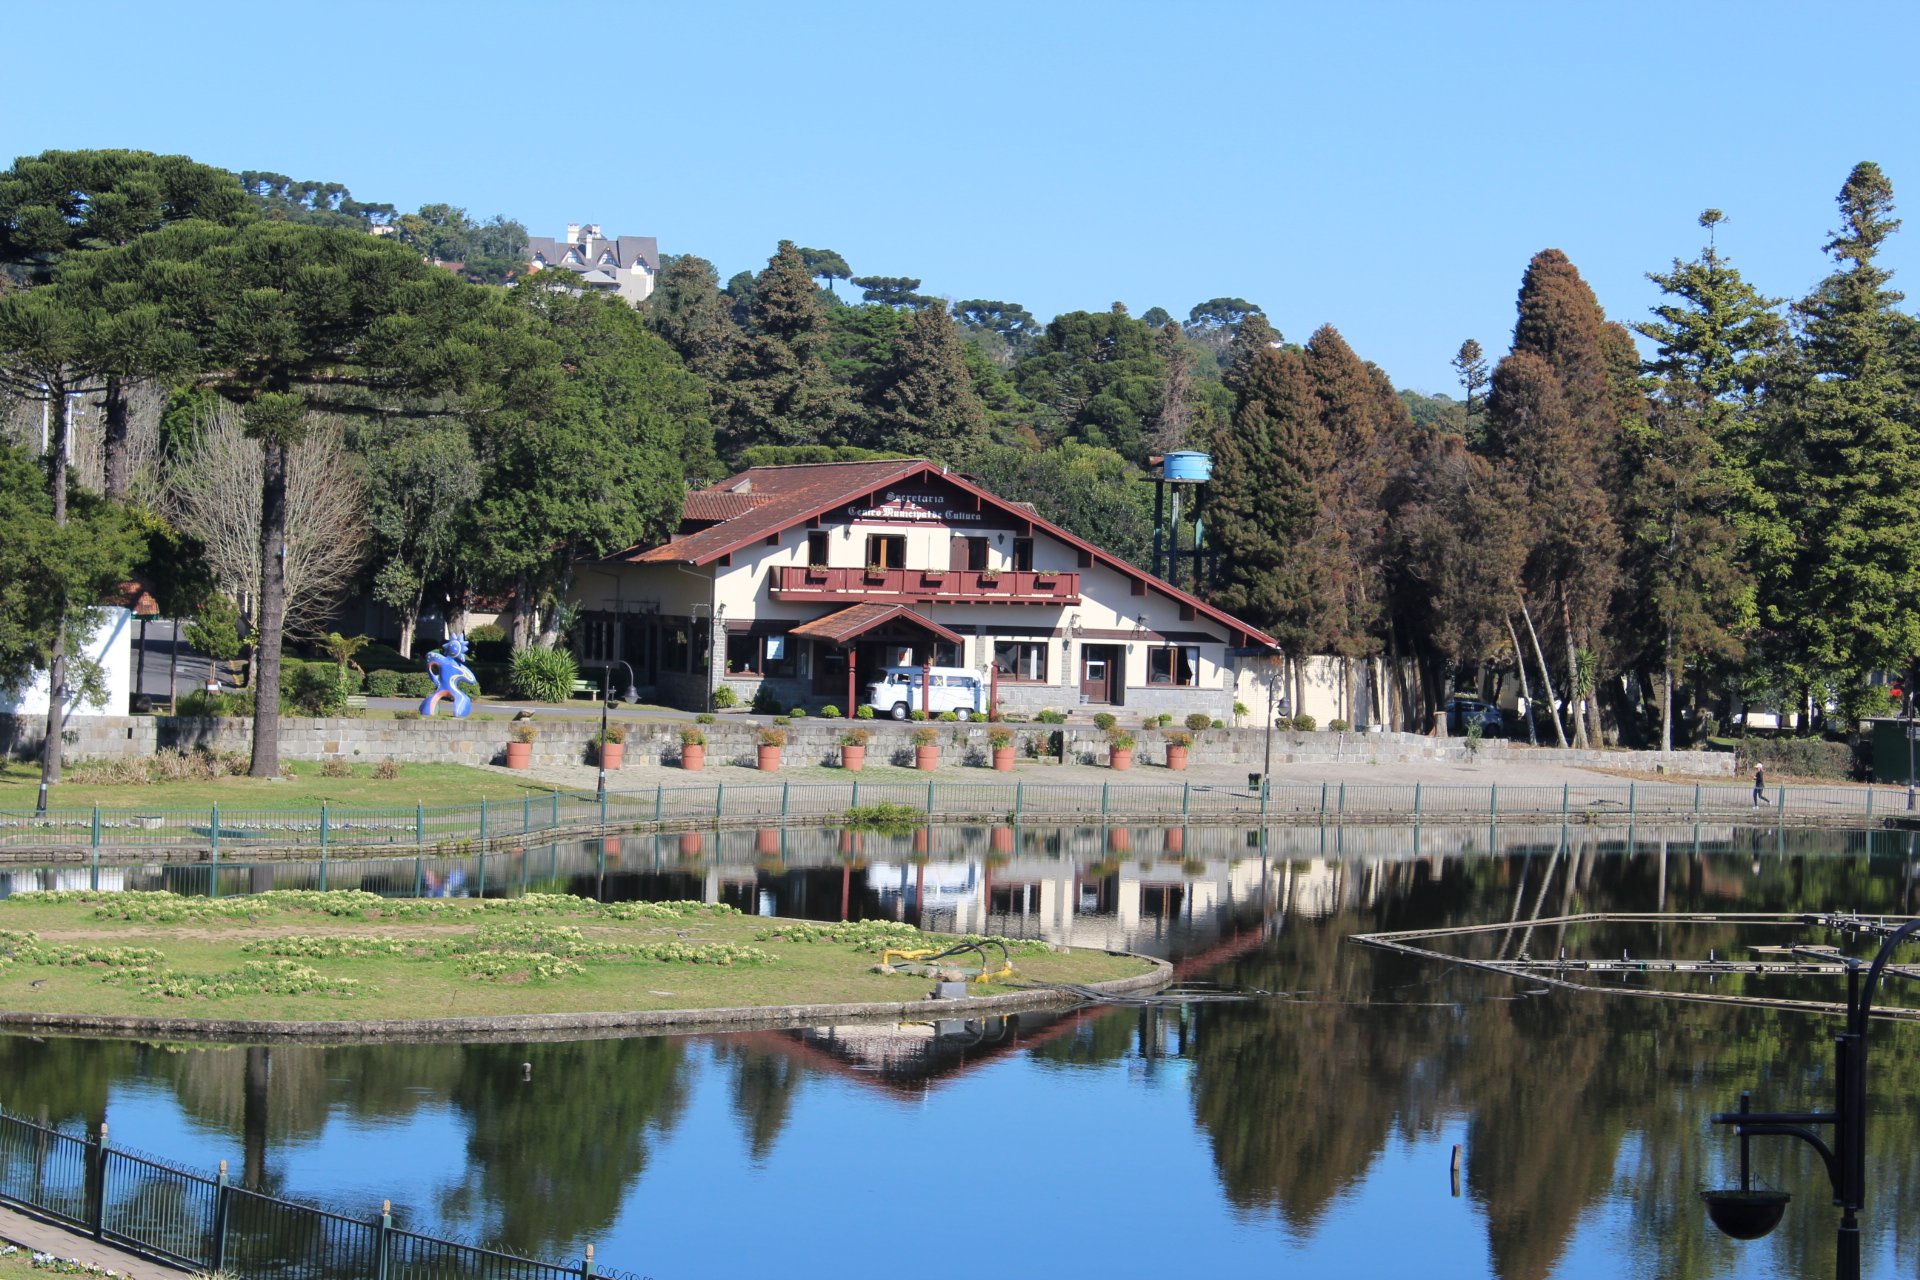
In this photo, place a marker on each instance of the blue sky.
(1386, 168)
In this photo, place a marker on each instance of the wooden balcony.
(916, 586)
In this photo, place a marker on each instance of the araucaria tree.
(1698, 520)
(288, 320)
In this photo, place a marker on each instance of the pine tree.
(1702, 525)
(1856, 581)
(1560, 324)
(1351, 419)
(778, 389)
(929, 406)
(1273, 469)
(1572, 561)
(1470, 362)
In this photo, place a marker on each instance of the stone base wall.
(732, 741)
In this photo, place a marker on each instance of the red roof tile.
(715, 505)
(856, 620)
(785, 496)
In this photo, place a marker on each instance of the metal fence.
(164, 1211)
(444, 828)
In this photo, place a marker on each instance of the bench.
(356, 702)
(587, 687)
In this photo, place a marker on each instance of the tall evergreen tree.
(778, 390)
(1560, 324)
(1278, 554)
(1574, 551)
(1703, 526)
(63, 202)
(1856, 579)
(929, 406)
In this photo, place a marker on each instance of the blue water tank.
(1189, 467)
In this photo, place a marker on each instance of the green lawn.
(429, 783)
(346, 955)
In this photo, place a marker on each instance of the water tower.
(1177, 471)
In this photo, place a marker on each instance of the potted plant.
(988, 577)
(817, 572)
(875, 572)
(853, 749)
(693, 749)
(772, 739)
(611, 743)
(926, 749)
(1001, 840)
(1120, 750)
(1002, 743)
(1178, 744)
(520, 736)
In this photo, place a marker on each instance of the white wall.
(110, 645)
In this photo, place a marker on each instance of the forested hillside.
(287, 395)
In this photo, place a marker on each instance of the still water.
(1309, 1131)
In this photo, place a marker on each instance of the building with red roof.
(808, 580)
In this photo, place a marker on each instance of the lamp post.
(1276, 706)
(1746, 1214)
(606, 676)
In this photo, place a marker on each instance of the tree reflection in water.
(1583, 1118)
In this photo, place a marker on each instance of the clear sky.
(1386, 168)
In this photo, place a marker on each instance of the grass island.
(347, 957)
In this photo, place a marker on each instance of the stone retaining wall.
(566, 740)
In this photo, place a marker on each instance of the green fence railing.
(165, 1211)
(326, 828)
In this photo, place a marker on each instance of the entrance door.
(1099, 672)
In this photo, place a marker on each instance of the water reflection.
(1311, 1129)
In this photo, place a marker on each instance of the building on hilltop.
(625, 265)
(808, 581)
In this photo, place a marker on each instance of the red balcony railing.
(958, 586)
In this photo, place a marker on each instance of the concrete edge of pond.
(576, 1026)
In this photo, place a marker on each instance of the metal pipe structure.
(1846, 1159)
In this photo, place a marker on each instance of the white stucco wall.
(110, 645)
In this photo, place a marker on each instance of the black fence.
(164, 1211)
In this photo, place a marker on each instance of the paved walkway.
(42, 1236)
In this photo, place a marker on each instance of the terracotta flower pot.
(519, 755)
(1119, 840)
(852, 758)
(1176, 840)
(766, 842)
(612, 753)
(769, 759)
(1121, 757)
(926, 759)
(1001, 840)
(1176, 758)
(923, 840)
(1003, 759)
(690, 843)
(693, 758)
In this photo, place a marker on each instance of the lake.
(1308, 1129)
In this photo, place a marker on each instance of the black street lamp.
(606, 700)
(1277, 705)
(1747, 1214)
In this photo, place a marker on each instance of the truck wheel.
(963, 713)
(900, 711)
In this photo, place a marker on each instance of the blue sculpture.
(447, 665)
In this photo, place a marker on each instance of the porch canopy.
(849, 624)
(843, 628)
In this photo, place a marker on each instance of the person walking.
(1760, 786)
